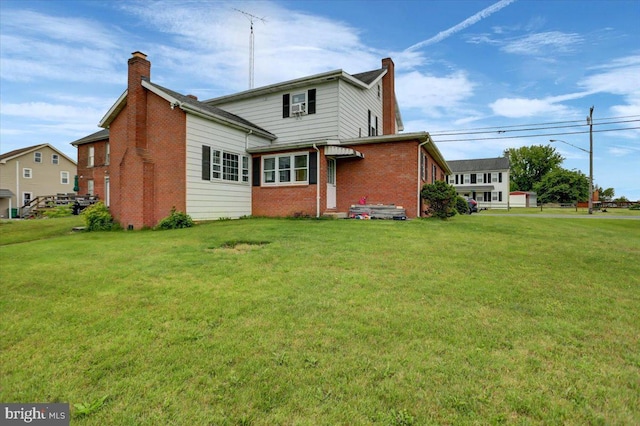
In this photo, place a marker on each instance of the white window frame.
(494, 196)
(480, 178)
(467, 179)
(494, 177)
(64, 178)
(223, 168)
(107, 154)
(293, 102)
(55, 159)
(37, 157)
(27, 173)
(285, 165)
(91, 156)
(90, 186)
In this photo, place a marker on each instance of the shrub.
(634, 207)
(98, 218)
(176, 220)
(441, 198)
(59, 211)
(462, 207)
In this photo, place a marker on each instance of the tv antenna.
(251, 42)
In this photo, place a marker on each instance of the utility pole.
(590, 122)
(251, 43)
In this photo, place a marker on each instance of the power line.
(533, 136)
(498, 128)
(528, 128)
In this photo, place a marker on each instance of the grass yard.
(477, 320)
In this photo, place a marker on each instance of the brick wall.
(97, 173)
(386, 175)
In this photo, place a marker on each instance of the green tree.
(607, 194)
(562, 186)
(441, 197)
(529, 164)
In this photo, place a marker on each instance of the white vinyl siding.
(354, 106)
(218, 198)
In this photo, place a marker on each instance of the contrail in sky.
(462, 25)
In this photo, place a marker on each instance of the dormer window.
(299, 103)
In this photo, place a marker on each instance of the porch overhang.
(476, 188)
(341, 152)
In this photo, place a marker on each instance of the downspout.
(17, 188)
(317, 181)
(246, 139)
(419, 176)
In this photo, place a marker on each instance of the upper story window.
(299, 103)
(37, 157)
(27, 173)
(55, 159)
(107, 154)
(91, 156)
(372, 123)
(288, 169)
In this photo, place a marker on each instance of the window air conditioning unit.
(298, 108)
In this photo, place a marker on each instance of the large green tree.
(562, 186)
(441, 198)
(529, 164)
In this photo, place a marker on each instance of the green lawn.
(475, 320)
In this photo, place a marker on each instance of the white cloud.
(50, 112)
(543, 43)
(522, 107)
(431, 94)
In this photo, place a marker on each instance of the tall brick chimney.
(388, 98)
(139, 69)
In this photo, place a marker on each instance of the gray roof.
(479, 164)
(369, 76)
(93, 137)
(208, 108)
(5, 193)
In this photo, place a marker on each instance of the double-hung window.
(37, 157)
(55, 159)
(64, 178)
(288, 169)
(222, 165)
(90, 156)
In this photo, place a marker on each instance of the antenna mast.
(251, 43)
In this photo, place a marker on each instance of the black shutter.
(256, 171)
(376, 126)
(313, 168)
(500, 178)
(206, 162)
(285, 106)
(311, 108)
(369, 123)
(500, 196)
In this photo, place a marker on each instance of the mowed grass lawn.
(475, 320)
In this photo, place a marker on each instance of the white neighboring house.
(484, 179)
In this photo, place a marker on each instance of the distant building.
(485, 179)
(523, 199)
(31, 172)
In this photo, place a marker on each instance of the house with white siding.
(484, 179)
(309, 146)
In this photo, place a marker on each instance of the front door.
(331, 183)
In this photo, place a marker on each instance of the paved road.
(564, 216)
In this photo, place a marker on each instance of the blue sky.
(480, 76)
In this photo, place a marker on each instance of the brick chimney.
(139, 69)
(388, 98)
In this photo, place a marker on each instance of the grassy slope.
(479, 319)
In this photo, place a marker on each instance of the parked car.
(473, 205)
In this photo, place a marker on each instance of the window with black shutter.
(285, 105)
(500, 178)
(311, 108)
(313, 168)
(256, 171)
(206, 162)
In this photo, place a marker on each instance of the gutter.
(317, 181)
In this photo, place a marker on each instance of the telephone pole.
(590, 122)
